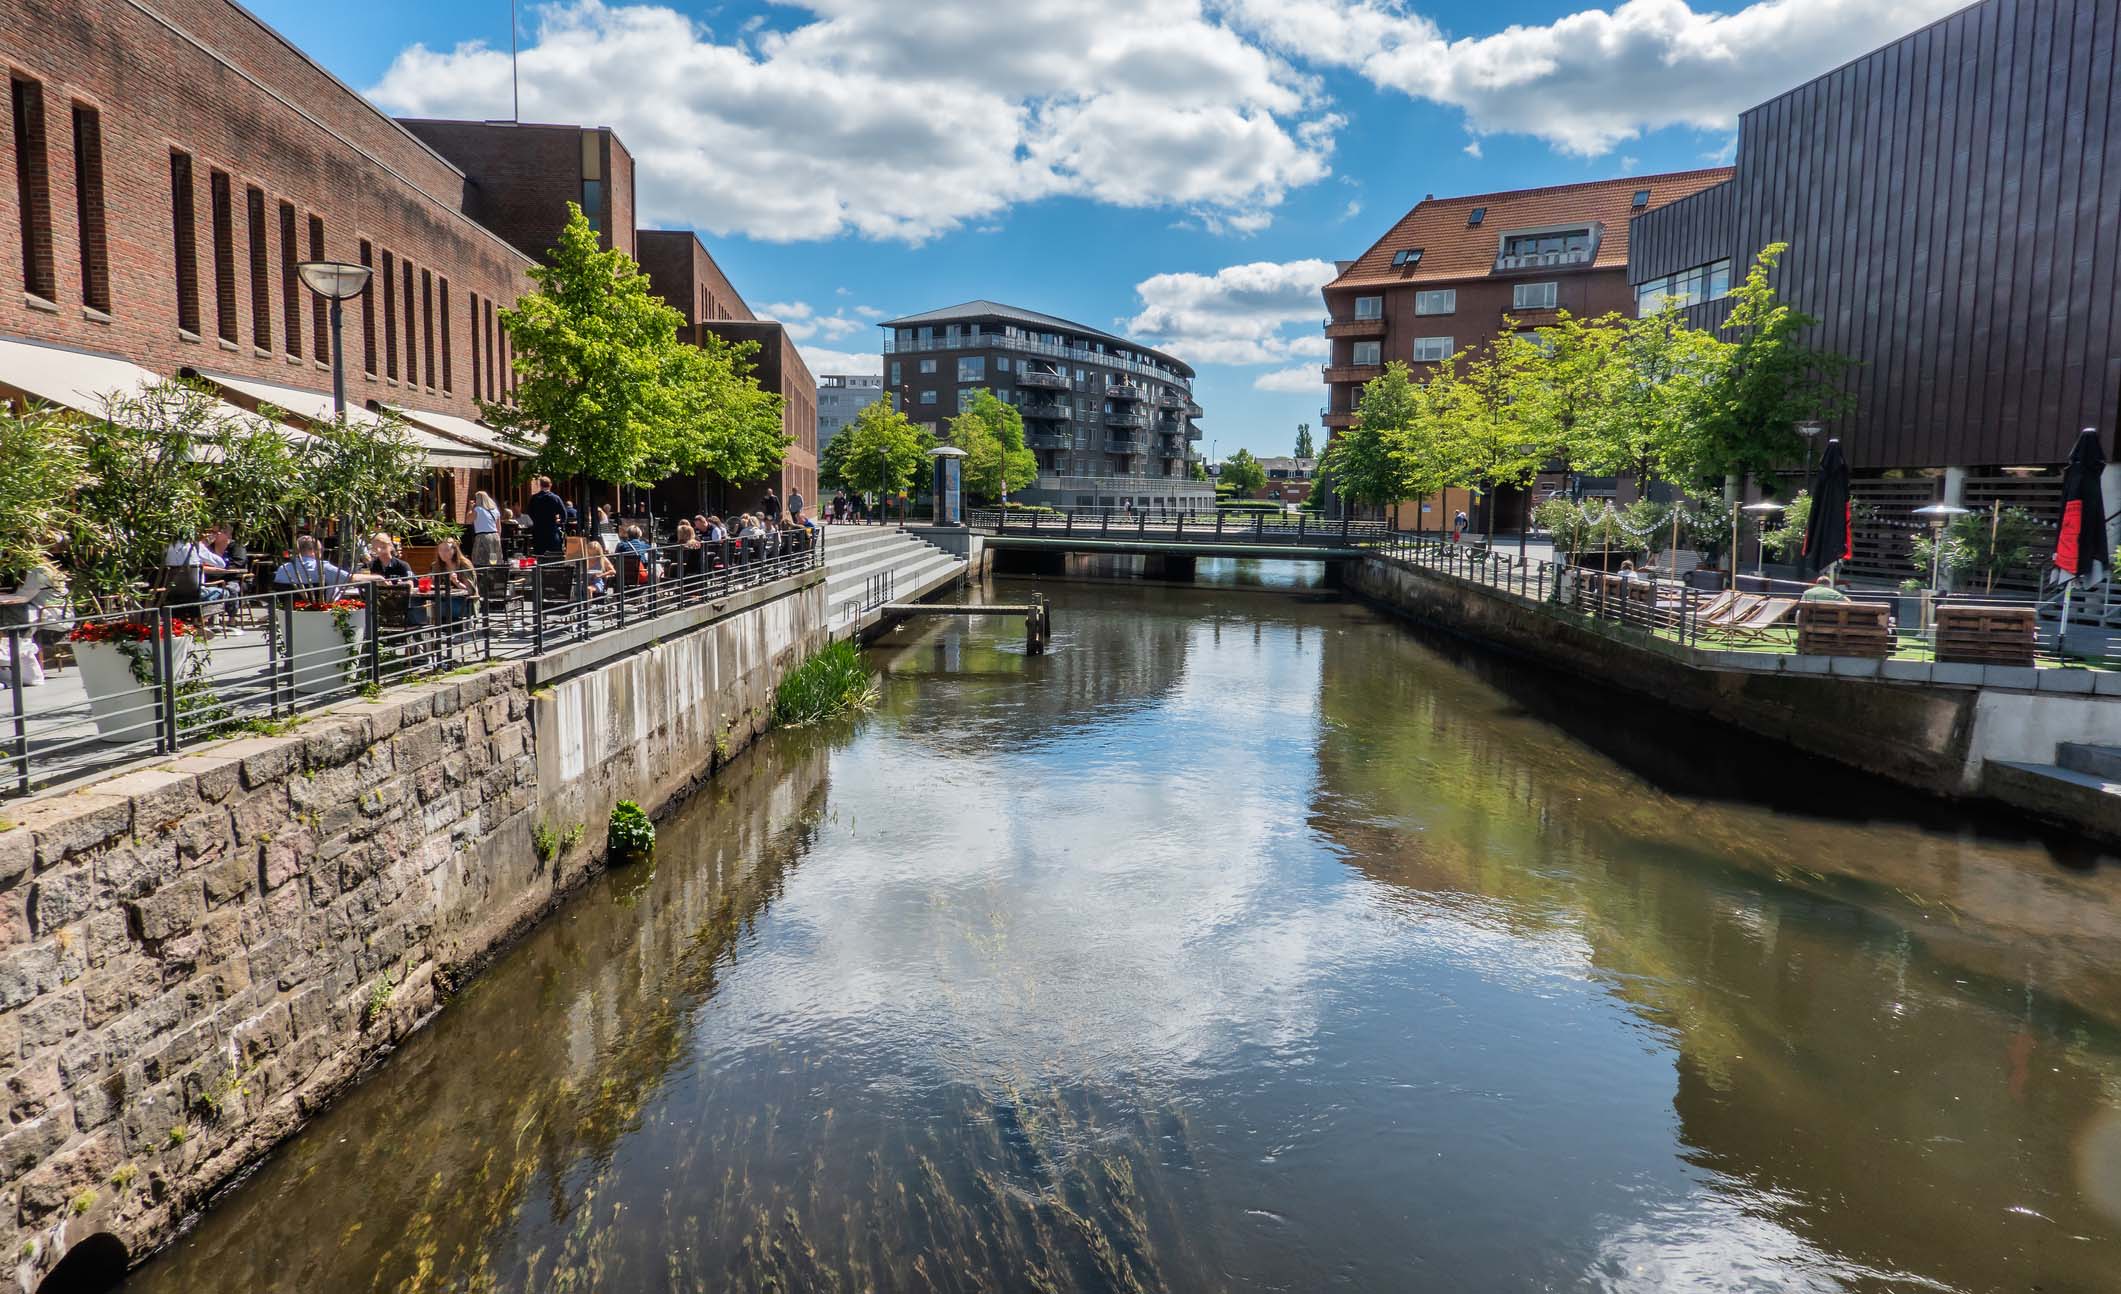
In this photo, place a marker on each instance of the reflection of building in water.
(1852, 1010)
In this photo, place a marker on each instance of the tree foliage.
(1243, 474)
(885, 451)
(991, 432)
(1303, 441)
(610, 391)
(41, 466)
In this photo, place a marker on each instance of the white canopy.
(315, 406)
(80, 380)
(476, 434)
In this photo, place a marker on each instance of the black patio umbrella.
(2080, 546)
(1828, 537)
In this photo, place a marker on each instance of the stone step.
(879, 557)
(2084, 803)
(2092, 761)
(905, 577)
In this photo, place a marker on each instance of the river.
(1247, 941)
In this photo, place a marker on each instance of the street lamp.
(1939, 515)
(1810, 431)
(336, 282)
(1761, 511)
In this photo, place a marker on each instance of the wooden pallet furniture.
(1844, 629)
(1985, 635)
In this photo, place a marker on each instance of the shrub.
(832, 682)
(631, 834)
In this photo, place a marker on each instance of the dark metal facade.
(1952, 203)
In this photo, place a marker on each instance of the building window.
(442, 308)
(493, 371)
(1001, 362)
(33, 190)
(1367, 352)
(224, 217)
(1550, 247)
(1711, 282)
(412, 326)
(477, 391)
(390, 316)
(593, 179)
(1442, 301)
(290, 282)
(185, 227)
(927, 366)
(965, 396)
(971, 368)
(894, 373)
(88, 204)
(1369, 307)
(927, 397)
(1432, 350)
(368, 312)
(1534, 296)
(427, 325)
(260, 268)
(319, 311)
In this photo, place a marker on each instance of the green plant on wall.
(630, 834)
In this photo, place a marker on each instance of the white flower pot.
(325, 660)
(122, 706)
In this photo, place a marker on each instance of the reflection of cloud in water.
(1723, 1238)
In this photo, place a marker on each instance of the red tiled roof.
(1452, 251)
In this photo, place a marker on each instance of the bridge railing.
(1202, 526)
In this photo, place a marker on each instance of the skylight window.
(1475, 216)
(1406, 258)
(1642, 199)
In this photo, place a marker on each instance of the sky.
(1183, 172)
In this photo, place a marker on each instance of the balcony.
(1126, 418)
(1544, 260)
(1352, 372)
(1169, 399)
(1192, 432)
(1042, 380)
(1356, 327)
(1128, 446)
(1046, 410)
(1124, 391)
(1540, 318)
(1337, 418)
(1046, 439)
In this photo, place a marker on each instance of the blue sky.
(1183, 171)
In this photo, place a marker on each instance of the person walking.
(795, 505)
(548, 518)
(770, 506)
(485, 530)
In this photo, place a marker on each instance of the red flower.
(127, 631)
(338, 604)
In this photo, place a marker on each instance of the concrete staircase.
(855, 554)
(2081, 789)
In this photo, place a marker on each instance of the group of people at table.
(218, 567)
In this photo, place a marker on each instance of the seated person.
(597, 571)
(386, 565)
(692, 554)
(209, 569)
(1823, 590)
(309, 572)
(456, 581)
(636, 545)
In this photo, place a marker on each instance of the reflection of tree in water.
(1887, 1039)
(563, 1126)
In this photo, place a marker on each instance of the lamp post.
(1761, 511)
(1939, 515)
(337, 282)
(1810, 431)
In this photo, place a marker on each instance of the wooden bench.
(1978, 635)
(1844, 629)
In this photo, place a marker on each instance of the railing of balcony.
(1042, 379)
(1125, 418)
(1026, 346)
(1051, 410)
(1123, 391)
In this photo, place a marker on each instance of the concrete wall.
(196, 956)
(1927, 736)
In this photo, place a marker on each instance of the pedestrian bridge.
(1177, 534)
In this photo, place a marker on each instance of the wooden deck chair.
(1736, 609)
(1760, 626)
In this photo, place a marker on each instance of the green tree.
(1198, 470)
(1664, 371)
(1243, 474)
(143, 488)
(884, 451)
(1769, 381)
(1481, 437)
(364, 477)
(610, 390)
(1303, 441)
(991, 432)
(1564, 384)
(1985, 544)
(41, 467)
(1368, 463)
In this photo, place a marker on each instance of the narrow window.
(290, 282)
(390, 316)
(412, 327)
(477, 391)
(427, 324)
(442, 308)
(319, 312)
(33, 188)
(88, 200)
(185, 225)
(368, 311)
(493, 370)
(224, 217)
(260, 271)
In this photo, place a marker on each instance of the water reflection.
(1244, 941)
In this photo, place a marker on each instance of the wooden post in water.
(1037, 626)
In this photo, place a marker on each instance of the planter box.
(124, 707)
(324, 659)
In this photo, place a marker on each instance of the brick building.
(1452, 269)
(167, 170)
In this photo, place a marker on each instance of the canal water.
(1248, 941)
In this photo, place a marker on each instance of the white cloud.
(822, 359)
(1591, 80)
(1304, 377)
(803, 322)
(1473, 149)
(904, 119)
(1352, 210)
(1266, 312)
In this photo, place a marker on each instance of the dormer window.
(1556, 245)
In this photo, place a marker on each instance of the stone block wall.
(197, 955)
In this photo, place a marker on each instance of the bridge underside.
(1270, 550)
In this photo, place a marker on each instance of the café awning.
(315, 407)
(476, 434)
(80, 380)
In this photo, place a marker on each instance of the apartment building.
(841, 397)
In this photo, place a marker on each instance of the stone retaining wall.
(195, 956)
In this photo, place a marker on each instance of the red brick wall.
(521, 178)
(226, 90)
(683, 274)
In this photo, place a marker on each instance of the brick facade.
(523, 175)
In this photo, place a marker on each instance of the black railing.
(1222, 525)
(89, 693)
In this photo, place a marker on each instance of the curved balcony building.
(1089, 399)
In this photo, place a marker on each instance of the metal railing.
(84, 694)
(1025, 345)
(1181, 525)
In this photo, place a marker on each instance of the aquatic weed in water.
(834, 681)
